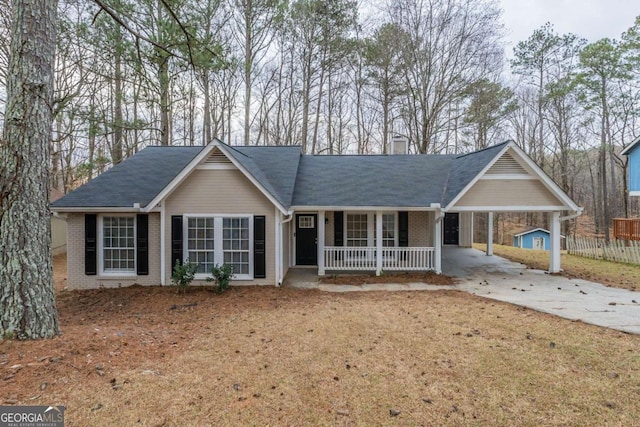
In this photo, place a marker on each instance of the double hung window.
(216, 240)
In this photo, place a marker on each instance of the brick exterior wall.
(421, 229)
(76, 279)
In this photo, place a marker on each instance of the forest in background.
(340, 77)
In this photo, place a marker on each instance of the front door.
(451, 229)
(306, 239)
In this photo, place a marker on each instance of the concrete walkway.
(497, 278)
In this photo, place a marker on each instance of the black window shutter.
(403, 229)
(338, 228)
(90, 244)
(176, 240)
(259, 248)
(142, 244)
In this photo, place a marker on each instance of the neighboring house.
(629, 228)
(58, 227)
(534, 238)
(633, 152)
(264, 209)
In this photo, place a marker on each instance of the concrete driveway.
(497, 278)
(500, 279)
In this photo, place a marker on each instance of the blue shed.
(633, 151)
(535, 238)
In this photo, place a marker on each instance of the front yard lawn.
(266, 356)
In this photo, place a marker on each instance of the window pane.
(118, 244)
(235, 244)
(200, 243)
(357, 230)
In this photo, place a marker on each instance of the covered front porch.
(373, 241)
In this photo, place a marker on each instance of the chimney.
(399, 145)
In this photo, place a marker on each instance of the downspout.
(162, 245)
(279, 238)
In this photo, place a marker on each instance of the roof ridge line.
(485, 148)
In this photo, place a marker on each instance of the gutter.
(572, 216)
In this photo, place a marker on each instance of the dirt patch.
(430, 278)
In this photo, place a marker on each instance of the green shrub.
(183, 274)
(221, 276)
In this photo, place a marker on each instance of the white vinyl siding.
(118, 245)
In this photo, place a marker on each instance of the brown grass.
(266, 356)
(613, 274)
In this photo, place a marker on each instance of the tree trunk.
(116, 150)
(27, 303)
(163, 82)
(206, 120)
(248, 67)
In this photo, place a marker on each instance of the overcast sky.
(591, 19)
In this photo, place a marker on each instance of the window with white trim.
(201, 243)
(215, 240)
(357, 229)
(118, 244)
(235, 241)
(388, 230)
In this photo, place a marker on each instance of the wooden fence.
(627, 251)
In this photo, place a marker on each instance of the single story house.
(265, 209)
(534, 238)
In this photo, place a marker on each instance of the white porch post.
(437, 241)
(320, 243)
(163, 249)
(554, 261)
(378, 243)
(278, 246)
(490, 234)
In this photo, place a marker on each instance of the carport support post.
(320, 243)
(554, 261)
(490, 234)
(378, 243)
(437, 241)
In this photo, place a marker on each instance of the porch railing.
(364, 258)
(626, 228)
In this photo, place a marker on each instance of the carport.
(511, 183)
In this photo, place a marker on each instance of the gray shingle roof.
(137, 179)
(390, 181)
(293, 179)
(276, 167)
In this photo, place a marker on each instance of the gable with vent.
(216, 160)
(509, 185)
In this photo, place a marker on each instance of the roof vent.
(399, 145)
(217, 158)
(507, 165)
